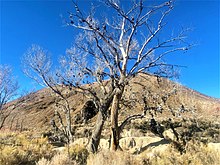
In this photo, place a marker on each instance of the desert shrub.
(58, 159)
(77, 153)
(71, 155)
(196, 154)
(106, 157)
(22, 148)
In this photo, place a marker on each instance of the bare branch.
(128, 119)
(8, 90)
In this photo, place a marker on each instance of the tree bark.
(114, 121)
(69, 127)
(96, 135)
(102, 115)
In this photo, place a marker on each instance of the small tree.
(37, 65)
(8, 90)
(117, 47)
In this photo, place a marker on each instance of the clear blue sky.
(29, 22)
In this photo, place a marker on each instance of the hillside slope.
(34, 111)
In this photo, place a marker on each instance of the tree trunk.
(114, 121)
(102, 115)
(69, 127)
(3, 117)
(96, 135)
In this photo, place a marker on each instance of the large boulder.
(142, 143)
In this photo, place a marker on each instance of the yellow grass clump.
(196, 154)
(71, 155)
(106, 157)
(58, 159)
(22, 148)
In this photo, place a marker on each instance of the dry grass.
(106, 157)
(77, 153)
(58, 159)
(196, 154)
(22, 148)
(71, 155)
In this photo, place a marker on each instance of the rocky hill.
(34, 111)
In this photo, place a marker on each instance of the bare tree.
(37, 65)
(76, 72)
(118, 46)
(8, 90)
